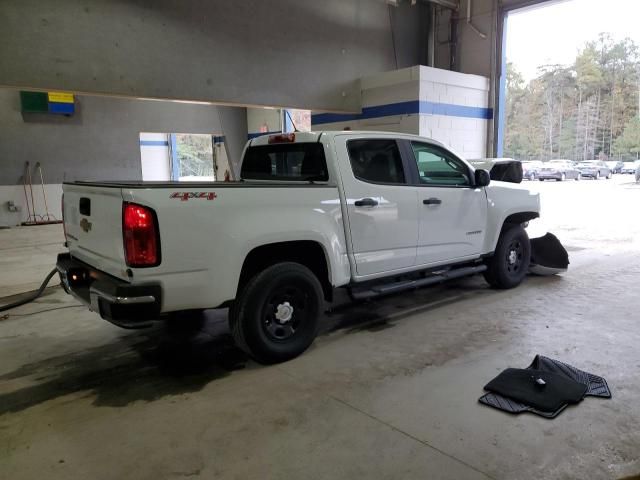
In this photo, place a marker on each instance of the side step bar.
(381, 289)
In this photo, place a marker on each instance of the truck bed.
(191, 185)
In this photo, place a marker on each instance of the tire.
(578, 178)
(510, 261)
(597, 177)
(610, 176)
(532, 177)
(541, 179)
(563, 177)
(287, 289)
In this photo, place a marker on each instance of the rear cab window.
(303, 161)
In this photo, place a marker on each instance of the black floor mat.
(596, 387)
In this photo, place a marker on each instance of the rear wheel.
(510, 261)
(276, 316)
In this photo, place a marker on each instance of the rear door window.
(376, 161)
(286, 161)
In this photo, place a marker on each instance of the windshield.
(285, 161)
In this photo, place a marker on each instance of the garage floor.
(388, 390)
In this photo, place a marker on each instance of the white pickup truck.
(373, 213)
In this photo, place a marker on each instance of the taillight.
(140, 235)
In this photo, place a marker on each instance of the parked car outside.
(558, 170)
(595, 169)
(530, 169)
(615, 166)
(630, 167)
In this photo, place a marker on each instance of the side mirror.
(482, 178)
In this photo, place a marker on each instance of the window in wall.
(436, 167)
(194, 157)
(376, 161)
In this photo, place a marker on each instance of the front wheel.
(276, 316)
(610, 176)
(510, 261)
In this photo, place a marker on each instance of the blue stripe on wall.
(259, 134)
(502, 92)
(406, 108)
(154, 143)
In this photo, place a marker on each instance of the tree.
(628, 144)
(576, 111)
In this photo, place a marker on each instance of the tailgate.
(93, 224)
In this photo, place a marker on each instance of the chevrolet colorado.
(373, 213)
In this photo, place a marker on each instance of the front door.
(381, 205)
(452, 211)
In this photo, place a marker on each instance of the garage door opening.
(569, 108)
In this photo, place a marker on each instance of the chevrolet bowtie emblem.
(85, 225)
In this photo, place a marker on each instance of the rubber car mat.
(543, 390)
(596, 387)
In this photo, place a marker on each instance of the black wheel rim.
(514, 257)
(284, 313)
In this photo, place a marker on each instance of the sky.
(555, 33)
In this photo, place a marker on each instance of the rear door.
(452, 211)
(93, 225)
(381, 205)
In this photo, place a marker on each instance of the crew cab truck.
(373, 213)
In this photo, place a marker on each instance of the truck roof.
(315, 136)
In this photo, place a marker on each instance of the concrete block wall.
(459, 110)
(447, 106)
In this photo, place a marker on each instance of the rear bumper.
(126, 305)
(549, 175)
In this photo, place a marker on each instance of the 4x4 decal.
(184, 196)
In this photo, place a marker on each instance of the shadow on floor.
(140, 365)
(149, 364)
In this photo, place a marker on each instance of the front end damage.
(548, 256)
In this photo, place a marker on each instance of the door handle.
(366, 202)
(432, 201)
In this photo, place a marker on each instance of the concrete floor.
(27, 254)
(389, 390)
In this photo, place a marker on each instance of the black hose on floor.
(32, 297)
